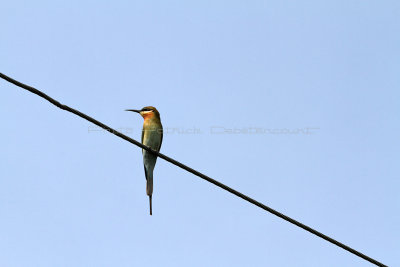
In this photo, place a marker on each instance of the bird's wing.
(145, 172)
(159, 147)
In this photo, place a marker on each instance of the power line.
(199, 174)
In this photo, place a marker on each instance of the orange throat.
(148, 115)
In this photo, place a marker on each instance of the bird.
(152, 136)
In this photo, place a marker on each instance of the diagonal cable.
(193, 171)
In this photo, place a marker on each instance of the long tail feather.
(149, 191)
(149, 166)
(151, 212)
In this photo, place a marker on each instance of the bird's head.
(147, 112)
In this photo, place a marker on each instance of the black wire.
(199, 174)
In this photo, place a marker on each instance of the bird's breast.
(152, 134)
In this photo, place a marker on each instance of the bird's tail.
(149, 190)
(151, 212)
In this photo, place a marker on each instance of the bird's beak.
(134, 110)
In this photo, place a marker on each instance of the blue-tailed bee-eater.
(152, 135)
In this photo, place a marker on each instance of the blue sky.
(71, 195)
